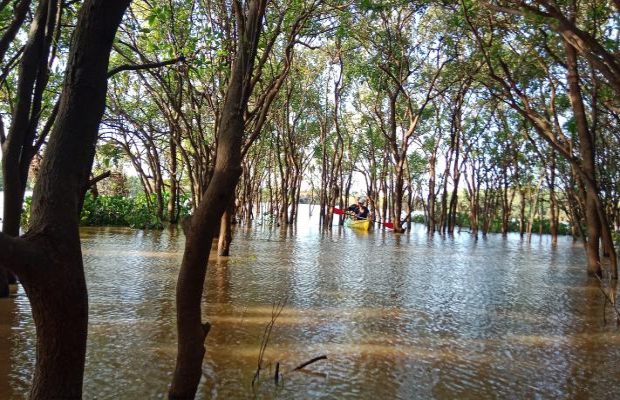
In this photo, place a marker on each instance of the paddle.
(389, 225)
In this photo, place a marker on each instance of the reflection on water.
(397, 316)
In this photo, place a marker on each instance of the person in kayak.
(362, 210)
(354, 208)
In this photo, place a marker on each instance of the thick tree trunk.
(60, 311)
(191, 331)
(48, 259)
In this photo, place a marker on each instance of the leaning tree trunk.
(48, 258)
(219, 193)
(587, 152)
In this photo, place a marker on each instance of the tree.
(48, 258)
(519, 84)
(409, 66)
(202, 228)
(23, 140)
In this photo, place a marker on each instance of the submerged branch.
(315, 359)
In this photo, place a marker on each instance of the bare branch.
(98, 178)
(315, 359)
(136, 67)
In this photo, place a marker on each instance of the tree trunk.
(586, 150)
(430, 222)
(454, 200)
(553, 213)
(506, 207)
(4, 283)
(60, 312)
(172, 201)
(522, 212)
(18, 149)
(48, 258)
(191, 331)
(534, 208)
(398, 198)
(225, 240)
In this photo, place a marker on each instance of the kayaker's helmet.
(362, 201)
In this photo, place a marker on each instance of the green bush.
(418, 219)
(133, 212)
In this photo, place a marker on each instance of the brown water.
(399, 317)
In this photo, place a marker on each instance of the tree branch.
(19, 256)
(97, 179)
(20, 11)
(136, 67)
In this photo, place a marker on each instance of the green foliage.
(133, 212)
(418, 219)
(110, 155)
(25, 217)
(106, 210)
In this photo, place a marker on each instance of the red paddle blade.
(338, 211)
(389, 225)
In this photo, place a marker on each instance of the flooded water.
(398, 317)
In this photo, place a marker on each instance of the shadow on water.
(398, 316)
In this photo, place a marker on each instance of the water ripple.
(398, 316)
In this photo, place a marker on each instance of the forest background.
(484, 114)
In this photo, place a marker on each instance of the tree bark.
(48, 258)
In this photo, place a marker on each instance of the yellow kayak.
(362, 224)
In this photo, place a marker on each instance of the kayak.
(363, 224)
